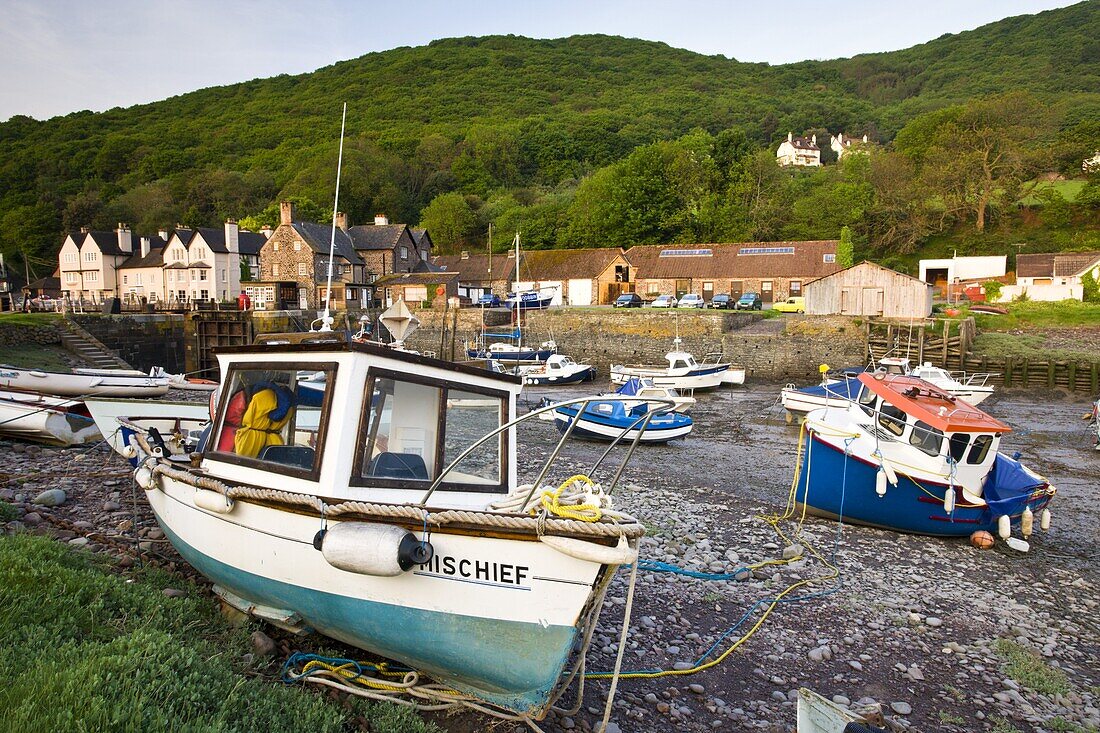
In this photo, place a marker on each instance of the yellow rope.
(551, 502)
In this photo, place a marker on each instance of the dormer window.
(404, 253)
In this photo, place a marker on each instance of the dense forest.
(601, 141)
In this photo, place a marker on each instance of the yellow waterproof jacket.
(257, 429)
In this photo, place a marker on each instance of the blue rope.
(656, 566)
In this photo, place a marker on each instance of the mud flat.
(944, 637)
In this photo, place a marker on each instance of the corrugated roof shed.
(734, 260)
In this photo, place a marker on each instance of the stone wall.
(781, 348)
(14, 334)
(142, 340)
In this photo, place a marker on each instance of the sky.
(61, 56)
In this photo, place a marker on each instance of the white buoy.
(144, 478)
(880, 483)
(949, 500)
(1018, 544)
(1027, 522)
(212, 501)
(1004, 527)
(1044, 520)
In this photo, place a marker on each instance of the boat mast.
(519, 301)
(326, 317)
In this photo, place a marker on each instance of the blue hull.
(524, 356)
(586, 376)
(911, 506)
(669, 429)
(511, 664)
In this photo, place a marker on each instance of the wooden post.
(920, 344)
(1027, 372)
(1008, 371)
(1095, 374)
(1071, 368)
(945, 322)
(454, 330)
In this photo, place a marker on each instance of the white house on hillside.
(1052, 276)
(89, 260)
(799, 151)
(963, 269)
(841, 145)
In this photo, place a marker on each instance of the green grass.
(36, 356)
(1001, 725)
(84, 649)
(1027, 346)
(1068, 189)
(1031, 314)
(7, 512)
(949, 718)
(28, 319)
(1030, 670)
(1061, 724)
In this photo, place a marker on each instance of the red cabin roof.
(930, 404)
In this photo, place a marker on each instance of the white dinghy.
(45, 419)
(682, 372)
(99, 382)
(170, 418)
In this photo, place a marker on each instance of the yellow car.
(791, 305)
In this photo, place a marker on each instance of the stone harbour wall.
(142, 340)
(12, 334)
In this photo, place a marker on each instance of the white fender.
(1004, 527)
(891, 474)
(212, 501)
(367, 549)
(880, 482)
(1027, 522)
(620, 554)
(1044, 520)
(144, 478)
(1017, 544)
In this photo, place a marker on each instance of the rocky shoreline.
(934, 634)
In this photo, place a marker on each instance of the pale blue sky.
(59, 56)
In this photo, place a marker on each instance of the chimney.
(266, 231)
(381, 220)
(286, 212)
(864, 138)
(125, 238)
(84, 230)
(790, 137)
(813, 138)
(465, 255)
(145, 245)
(342, 220)
(232, 236)
(163, 234)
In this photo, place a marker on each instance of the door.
(766, 291)
(683, 287)
(580, 292)
(873, 299)
(708, 291)
(737, 289)
(849, 301)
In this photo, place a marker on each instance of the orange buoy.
(982, 540)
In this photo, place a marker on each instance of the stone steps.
(78, 341)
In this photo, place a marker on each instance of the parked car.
(489, 300)
(629, 300)
(663, 301)
(748, 301)
(722, 300)
(691, 300)
(794, 304)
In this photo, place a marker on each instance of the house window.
(275, 246)
(303, 269)
(796, 287)
(351, 293)
(70, 257)
(297, 246)
(202, 275)
(275, 270)
(125, 279)
(411, 431)
(404, 253)
(225, 276)
(138, 278)
(70, 277)
(93, 276)
(89, 256)
(204, 294)
(829, 258)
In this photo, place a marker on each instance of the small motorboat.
(181, 420)
(396, 524)
(907, 455)
(656, 397)
(682, 372)
(615, 419)
(557, 369)
(971, 387)
(84, 383)
(45, 419)
(528, 300)
(831, 392)
(513, 352)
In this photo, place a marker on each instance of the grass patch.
(7, 512)
(949, 718)
(1033, 314)
(1029, 669)
(1061, 724)
(37, 356)
(18, 318)
(83, 649)
(1001, 725)
(1025, 346)
(1069, 190)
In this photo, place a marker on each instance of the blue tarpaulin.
(1008, 480)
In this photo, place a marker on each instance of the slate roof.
(107, 242)
(318, 236)
(419, 235)
(416, 278)
(155, 258)
(214, 238)
(249, 243)
(566, 264)
(803, 143)
(1055, 264)
(475, 268)
(1036, 265)
(1069, 264)
(731, 262)
(378, 236)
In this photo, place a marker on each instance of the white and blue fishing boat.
(557, 369)
(619, 420)
(395, 523)
(529, 300)
(511, 351)
(682, 371)
(906, 455)
(831, 392)
(656, 397)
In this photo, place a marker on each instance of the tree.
(844, 250)
(449, 218)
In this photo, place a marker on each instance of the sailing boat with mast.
(526, 299)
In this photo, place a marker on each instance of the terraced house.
(294, 261)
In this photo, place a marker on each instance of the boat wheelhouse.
(971, 387)
(908, 456)
(384, 510)
(558, 369)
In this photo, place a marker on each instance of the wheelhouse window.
(957, 446)
(979, 449)
(926, 438)
(866, 400)
(275, 415)
(892, 419)
(413, 430)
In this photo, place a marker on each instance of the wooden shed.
(868, 289)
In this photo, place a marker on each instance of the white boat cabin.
(374, 424)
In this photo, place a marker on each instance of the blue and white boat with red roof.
(908, 456)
